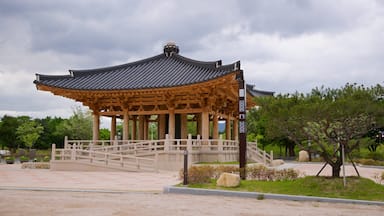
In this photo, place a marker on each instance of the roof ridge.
(209, 64)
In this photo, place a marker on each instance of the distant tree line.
(26, 132)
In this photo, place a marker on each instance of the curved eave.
(171, 71)
(56, 90)
(39, 85)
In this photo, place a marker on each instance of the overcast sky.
(283, 45)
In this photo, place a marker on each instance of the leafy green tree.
(28, 132)
(330, 118)
(104, 134)
(50, 135)
(78, 126)
(8, 127)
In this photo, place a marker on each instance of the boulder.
(228, 180)
(277, 162)
(303, 156)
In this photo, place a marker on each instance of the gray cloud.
(284, 45)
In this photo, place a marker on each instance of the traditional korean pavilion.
(167, 88)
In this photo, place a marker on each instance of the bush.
(198, 174)
(204, 174)
(9, 160)
(24, 159)
(46, 158)
(38, 165)
(370, 162)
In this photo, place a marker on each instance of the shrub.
(46, 158)
(217, 171)
(24, 159)
(370, 162)
(9, 160)
(199, 174)
(39, 165)
(204, 174)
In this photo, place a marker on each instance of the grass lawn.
(357, 188)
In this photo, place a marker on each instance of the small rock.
(303, 156)
(277, 162)
(228, 180)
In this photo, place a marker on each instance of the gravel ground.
(81, 203)
(141, 194)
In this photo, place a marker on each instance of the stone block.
(303, 156)
(277, 162)
(228, 180)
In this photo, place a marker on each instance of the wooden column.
(113, 128)
(145, 127)
(96, 126)
(134, 127)
(161, 128)
(126, 125)
(235, 129)
(228, 128)
(171, 123)
(198, 123)
(184, 126)
(141, 127)
(215, 133)
(205, 124)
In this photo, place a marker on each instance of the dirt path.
(79, 203)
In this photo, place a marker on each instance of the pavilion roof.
(168, 69)
(257, 93)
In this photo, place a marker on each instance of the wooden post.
(161, 128)
(53, 152)
(73, 152)
(66, 142)
(134, 127)
(235, 129)
(205, 124)
(141, 127)
(228, 128)
(113, 128)
(184, 128)
(171, 124)
(166, 143)
(215, 133)
(126, 125)
(242, 125)
(96, 127)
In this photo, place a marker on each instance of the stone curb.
(78, 190)
(257, 195)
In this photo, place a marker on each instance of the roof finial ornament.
(171, 48)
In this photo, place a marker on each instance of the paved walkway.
(142, 195)
(12, 176)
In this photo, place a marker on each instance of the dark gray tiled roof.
(164, 70)
(257, 93)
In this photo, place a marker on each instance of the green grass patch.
(357, 188)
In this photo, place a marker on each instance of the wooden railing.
(107, 159)
(258, 155)
(143, 154)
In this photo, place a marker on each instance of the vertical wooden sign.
(242, 126)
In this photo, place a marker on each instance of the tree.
(8, 127)
(330, 118)
(50, 135)
(104, 134)
(28, 132)
(78, 126)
